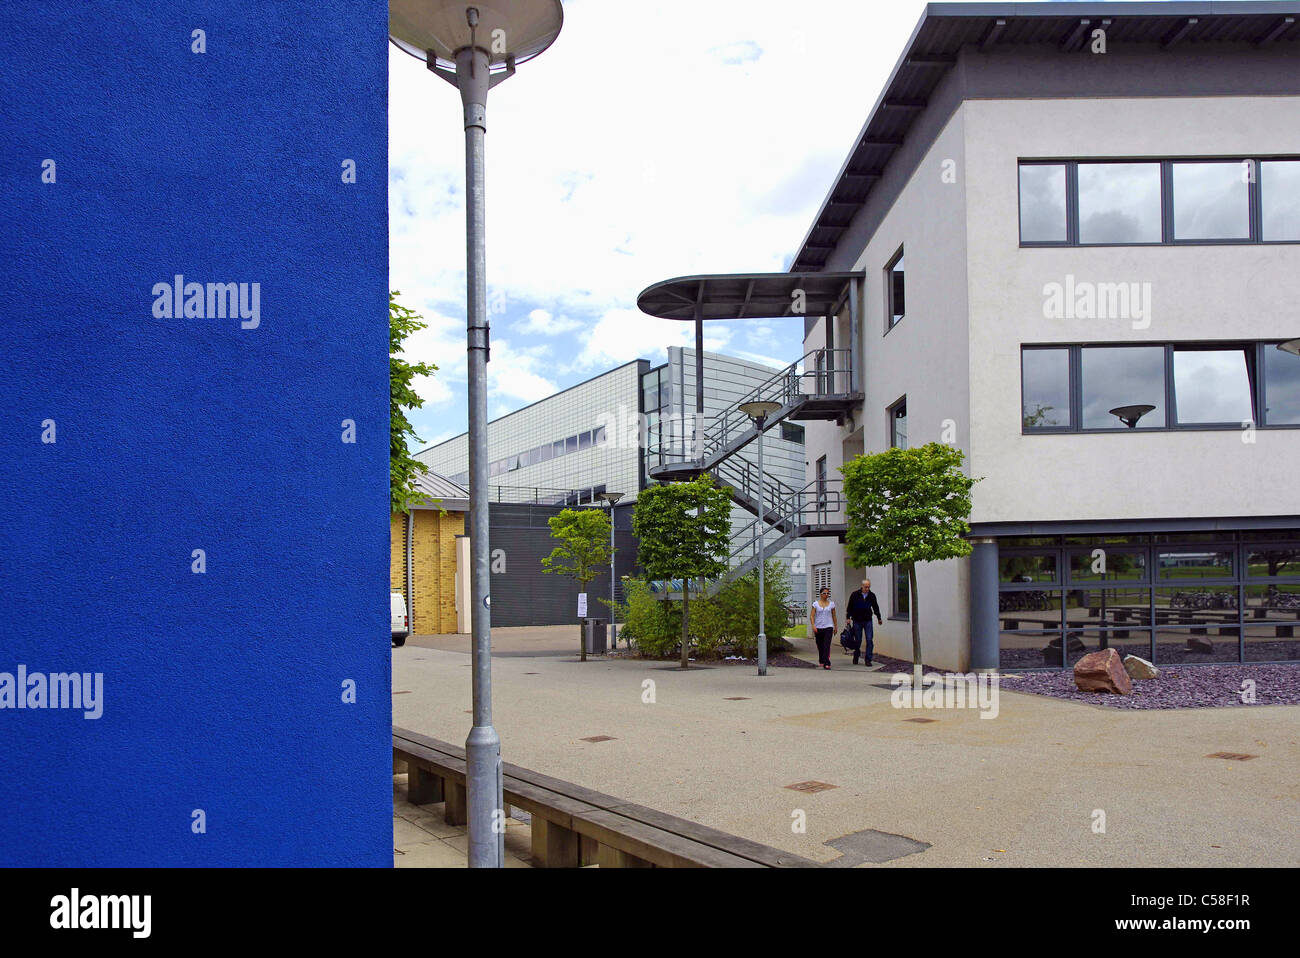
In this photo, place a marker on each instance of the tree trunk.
(916, 627)
(686, 615)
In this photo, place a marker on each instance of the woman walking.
(824, 621)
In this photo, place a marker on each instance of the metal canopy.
(945, 28)
(746, 295)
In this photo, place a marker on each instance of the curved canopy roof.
(745, 295)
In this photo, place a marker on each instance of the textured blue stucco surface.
(222, 691)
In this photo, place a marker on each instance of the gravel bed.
(1185, 687)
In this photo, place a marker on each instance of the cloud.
(622, 335)
(541, 322)
(741, 51)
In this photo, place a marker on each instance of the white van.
(401, 624)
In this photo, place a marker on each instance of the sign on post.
(582, 605)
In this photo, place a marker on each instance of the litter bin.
(595, 631)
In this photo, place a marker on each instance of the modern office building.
(600, 436)
(1067, 241)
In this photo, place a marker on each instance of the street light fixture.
(474, 46)
(1129, 415)
(758, 410)
(612, 498)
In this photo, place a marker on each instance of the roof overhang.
(746, 295)
(944, 29)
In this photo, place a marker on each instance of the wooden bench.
(573, 825)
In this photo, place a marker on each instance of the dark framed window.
(1045, 389)
(792, 432)
(902, 593)
(1122, 387)
(1279, 193)
(1213, 386)
(1211, 200)
(1116, 202)
(898, 424)
(895, 291)
(1044, 217)
(1119, 203)
(1107, 388)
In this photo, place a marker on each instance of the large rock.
(1139, 668)
(1102, 672)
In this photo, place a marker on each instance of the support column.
(697, 436)
(984, 604)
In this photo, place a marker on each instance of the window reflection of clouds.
(1210, 201)
(1279, 183)
(1212, 386)
(1282, 383)
(1042, 203)
(1119, 203)
(1122, 376)
(1046, 388)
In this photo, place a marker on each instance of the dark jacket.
(860, 607)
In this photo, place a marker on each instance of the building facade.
(595, 437)
(1078, 261)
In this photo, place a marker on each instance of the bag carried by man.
(848, 641)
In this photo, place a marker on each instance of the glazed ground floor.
(1043, 598)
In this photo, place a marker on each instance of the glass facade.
(1187, 598)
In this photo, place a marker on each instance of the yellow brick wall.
(396, 567)
(434, 562)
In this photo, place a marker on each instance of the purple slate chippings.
(1178, 687)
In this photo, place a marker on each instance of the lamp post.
(759, 410)
(474, 46)
(612, 498)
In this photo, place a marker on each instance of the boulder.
(1102, 672)
(1139, 668)
(1196, 643)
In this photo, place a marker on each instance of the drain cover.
(920, 720)
(1232, 756)
(599, 738)
(872, 846)
(812, 786)
(737, 698)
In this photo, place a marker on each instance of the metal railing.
(683, 439)
(544, 495)
(817, 503)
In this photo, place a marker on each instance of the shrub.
(651, 623)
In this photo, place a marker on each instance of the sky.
(652, 140)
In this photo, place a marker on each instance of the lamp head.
(759, 409)
(509, 31)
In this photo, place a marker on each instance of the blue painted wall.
(223, 691)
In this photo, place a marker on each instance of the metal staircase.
(817, 386)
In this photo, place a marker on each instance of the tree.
(583, 552)
(908, 506)
(402, 466)
(684, 530)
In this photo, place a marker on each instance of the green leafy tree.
(908, 506)
(582, 553)
(684, 530)
(402, 466)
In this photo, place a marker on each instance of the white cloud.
(544, 324)
(622, 335)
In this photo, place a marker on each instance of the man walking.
(861, 605)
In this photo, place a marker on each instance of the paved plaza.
(720, 746)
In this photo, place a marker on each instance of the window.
(1045, 388)
(898, 424)
(584, 440)
(1213, 386)
(1042, 203)
(894, 289)
(1223, 200)
(598, 436)
(792, 432)
(1211, 201)
(902, 594)
(821, 578)
(1119, 203)
(821, 485)
(1123, 386)
(1279, 190)
(1281, 386)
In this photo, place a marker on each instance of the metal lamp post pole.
(483, 746)
(762, 528)
(613, 616)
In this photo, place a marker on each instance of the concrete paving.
(719, 745)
